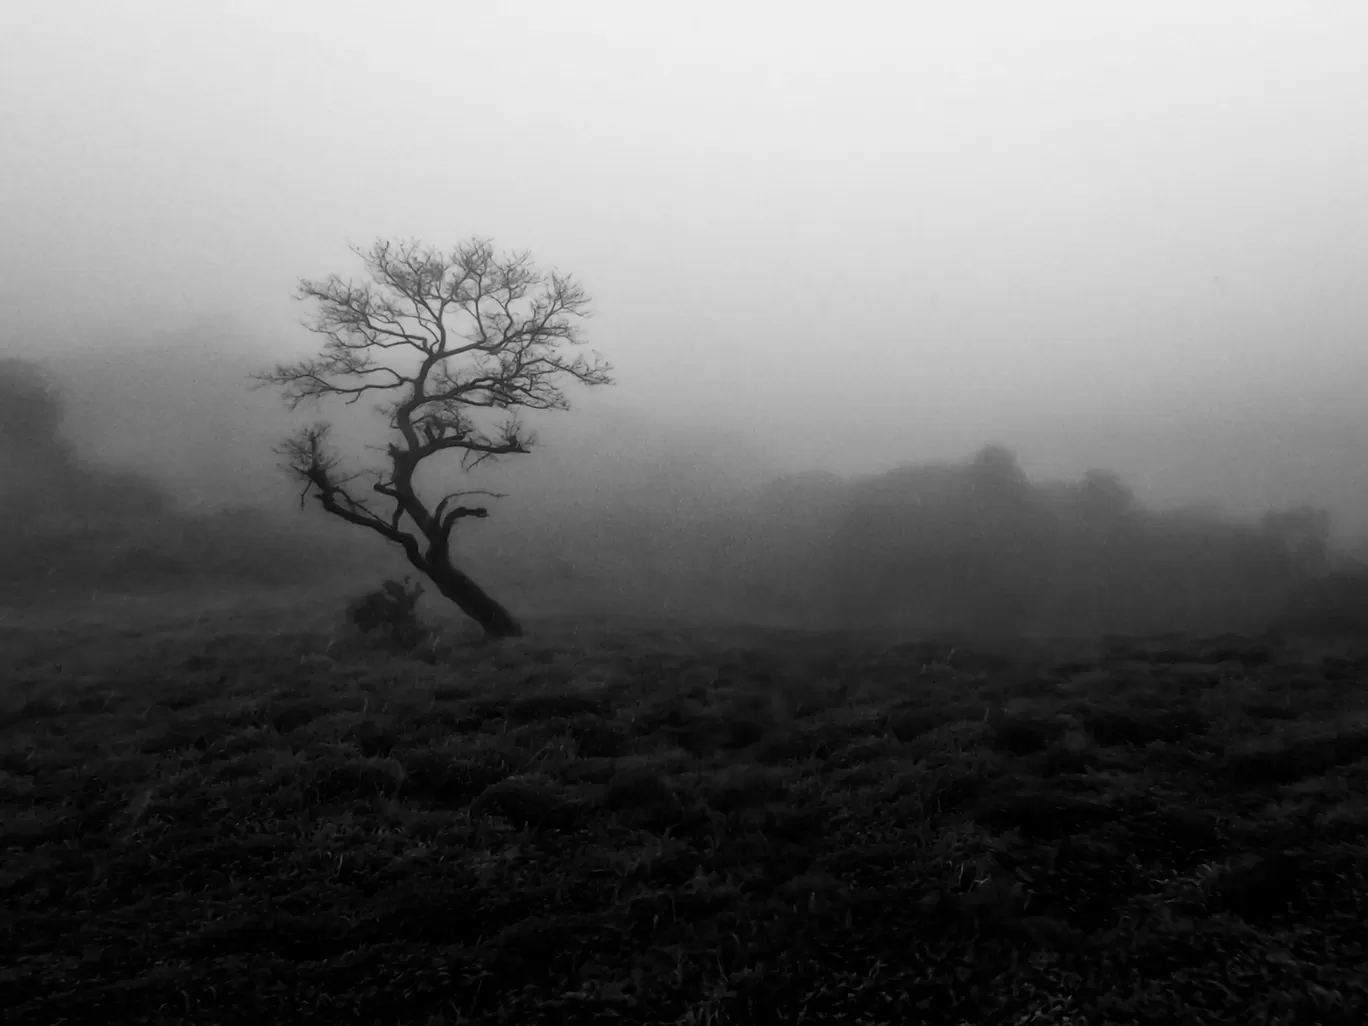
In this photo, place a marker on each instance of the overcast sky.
(1132, 234)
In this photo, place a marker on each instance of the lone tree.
(447, 335)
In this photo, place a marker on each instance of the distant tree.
(1103, 498)
(445, 335)
(996, 466)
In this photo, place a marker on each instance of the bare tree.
(446, 335)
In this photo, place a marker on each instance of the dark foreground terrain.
(236, 817)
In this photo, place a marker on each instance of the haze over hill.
(818, 240)
(178, 405)
(619, 516)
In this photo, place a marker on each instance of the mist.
(817, 244)
(948, 602)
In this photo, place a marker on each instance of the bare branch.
(308, 458)
(448, 335)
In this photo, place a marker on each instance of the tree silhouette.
(1104, 499)
(445, 335)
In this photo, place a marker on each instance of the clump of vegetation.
(388, 616)
(572, 835)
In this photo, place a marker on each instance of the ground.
(230, 815)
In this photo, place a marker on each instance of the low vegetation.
(256, 816)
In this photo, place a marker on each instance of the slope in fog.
(72, 525)
(617, 510)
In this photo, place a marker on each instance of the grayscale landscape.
(751, 513)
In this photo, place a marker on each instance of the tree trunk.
(473, 600)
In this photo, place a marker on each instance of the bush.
(388, 617)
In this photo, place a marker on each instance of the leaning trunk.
(473, 600)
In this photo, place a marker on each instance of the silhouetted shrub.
(388, 616)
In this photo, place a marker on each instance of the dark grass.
(232, 816)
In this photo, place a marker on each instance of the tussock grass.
(238, 813)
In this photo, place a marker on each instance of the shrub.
(388, 617)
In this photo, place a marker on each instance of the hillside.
(239, 815)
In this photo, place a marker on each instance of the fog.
(817, 239)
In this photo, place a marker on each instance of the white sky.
(1123, 234)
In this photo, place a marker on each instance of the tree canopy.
(442, 337)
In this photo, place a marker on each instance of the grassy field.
(232, 813)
